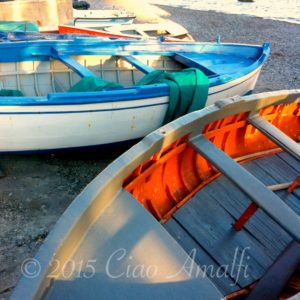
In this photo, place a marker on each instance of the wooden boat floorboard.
(291, 161)
(257, 224)
(204, 224)
(226, 284)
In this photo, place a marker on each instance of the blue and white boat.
(43, 113)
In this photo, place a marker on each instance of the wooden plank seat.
(257, 191)
(138, 64)
(75, 66)
(192, 61)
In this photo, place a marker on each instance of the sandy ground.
(37, 189)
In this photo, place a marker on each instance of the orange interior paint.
(173, 175)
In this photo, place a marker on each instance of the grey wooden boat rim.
(96, 197)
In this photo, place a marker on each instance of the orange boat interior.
(174, 174)
(203, 210)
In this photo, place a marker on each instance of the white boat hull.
(49, 127)
(100, 23)
(100, 18)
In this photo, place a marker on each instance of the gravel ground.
(37, 189)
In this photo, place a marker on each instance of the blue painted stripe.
(78, 98)
(96, 110)
(116, 95)
(79, 111)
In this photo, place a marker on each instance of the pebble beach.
(35, 190)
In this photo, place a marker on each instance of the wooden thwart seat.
(204, 223)
(188, 60)
(138, 64)
(75, 66)
(257, 191)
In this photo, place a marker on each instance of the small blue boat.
(86, 92)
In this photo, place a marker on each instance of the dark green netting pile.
(11, 93)
(188, 90)
(92, 84)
